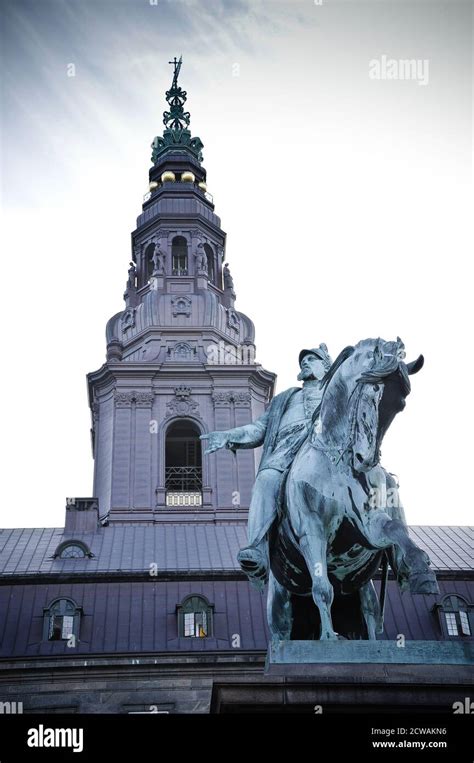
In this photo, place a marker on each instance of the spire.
(176, 135)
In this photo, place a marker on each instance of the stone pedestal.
(305, 658)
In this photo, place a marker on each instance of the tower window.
(61, 620)
(183, 470)
(195, 617)
(455, 616)
(179, 256)
(149, 266)
(211, 267)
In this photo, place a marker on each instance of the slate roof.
(184, 547)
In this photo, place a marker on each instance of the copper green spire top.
(176, 135)
(176, 118)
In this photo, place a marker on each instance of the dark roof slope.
(184, 547)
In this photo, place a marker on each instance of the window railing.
(183, 485)
(180, 272)
(183, 478)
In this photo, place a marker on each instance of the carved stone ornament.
(183, 404)
(182, 351)
(233, 320)
(242, 399)
(141, 399)
(128, 319)
(181, 306)
(225, 398)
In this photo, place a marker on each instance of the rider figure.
(281, 430)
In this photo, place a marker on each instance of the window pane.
(451, 623)
(201, 624)
(72, 552)
(55, 628)
(68, 626)
(465, 628)
(189, 624)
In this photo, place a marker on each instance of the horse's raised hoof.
(419, 577)
(423, 582)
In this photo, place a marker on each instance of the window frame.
(87, 553)
(180, 258)
(60, 609)
(188, 608)
(455, 614)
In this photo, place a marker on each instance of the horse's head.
(365, 390)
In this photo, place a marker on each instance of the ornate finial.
(176, 121)
(176, 118)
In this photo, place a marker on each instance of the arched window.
(148, 262)
(72, 549)
(179, 256)
(183, 467)
(61, 620)
(455, 616)
(211, 267)
(195, 617)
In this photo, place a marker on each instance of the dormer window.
(72, 549)
(455, 616)
(195, 617)
(61, 620)
(179, 256)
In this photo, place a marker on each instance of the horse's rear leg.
(279, 610)
(314, 549)
(369, 603)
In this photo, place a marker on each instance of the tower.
(180, 357)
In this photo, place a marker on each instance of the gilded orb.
(168, 176)
(188, 177)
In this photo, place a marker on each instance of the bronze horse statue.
(335, 527)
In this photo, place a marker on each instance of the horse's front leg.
(314, 549)
(279, 610)
(383, 531)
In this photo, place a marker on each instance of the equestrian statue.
(325, 516)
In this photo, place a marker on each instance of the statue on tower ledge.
(228, 280)
(132, 273)
(201, 259)
(159, 259)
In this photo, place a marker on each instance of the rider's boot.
(254, 562)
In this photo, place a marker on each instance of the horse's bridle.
(343, 449)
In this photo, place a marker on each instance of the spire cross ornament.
(176, 118)
(177, 69)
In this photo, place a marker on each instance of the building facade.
(138, 603)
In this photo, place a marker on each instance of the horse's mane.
(343, 355)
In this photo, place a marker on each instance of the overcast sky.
(346, 201)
